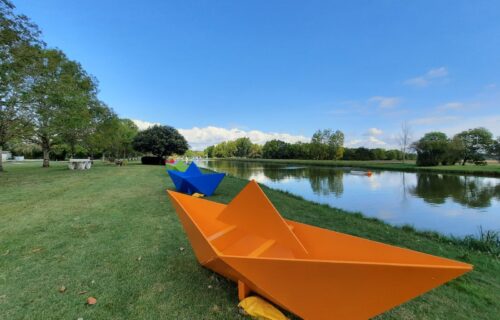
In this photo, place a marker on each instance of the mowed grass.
(111, 233)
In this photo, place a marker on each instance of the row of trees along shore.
(434, 148)
(473, 145)
(49, 106)
(324, 145)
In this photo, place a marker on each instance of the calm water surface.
(450, 204)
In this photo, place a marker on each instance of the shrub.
(152, 160)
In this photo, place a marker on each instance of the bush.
(153, 160)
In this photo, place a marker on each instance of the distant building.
(6, 155)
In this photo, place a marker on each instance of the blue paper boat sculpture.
(194, 181)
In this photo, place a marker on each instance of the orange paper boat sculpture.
(312, 272)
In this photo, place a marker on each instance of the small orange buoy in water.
(369, 173)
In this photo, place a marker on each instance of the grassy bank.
(490, 170)
(111, 233)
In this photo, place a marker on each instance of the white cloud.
(488, 122)
(428, 78)
(374, 132)
(369, 142)
(437, 73)
(385, 102)
(454, 125)
(426, 121)
(143, 125)
(451, 106)
(200, 138)
(375, 141)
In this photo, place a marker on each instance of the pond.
(447, 203)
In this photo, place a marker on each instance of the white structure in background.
(79, 164)
(19, 158)
(6, 155)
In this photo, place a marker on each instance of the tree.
(404, 138)
(19, 42)
(60, 99)
(209, 151)
(103, 136)
(161, 141)
(495, 149)
(255, 151)
(319, 149)
(327, 144)
(275, 149)
(453, 152)
(475, 144)
(362, 153)
(243, 147)
(379, 154)
(431, 148)
(336, 145)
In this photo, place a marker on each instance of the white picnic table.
(79, 164)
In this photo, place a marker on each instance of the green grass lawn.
(111, 233)
(492, 169)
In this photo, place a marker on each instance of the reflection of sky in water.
(449, 204)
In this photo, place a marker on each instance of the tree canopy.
(160, 141)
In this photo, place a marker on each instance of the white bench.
(79, 164)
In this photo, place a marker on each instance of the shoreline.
(491, 170)
(483, 242)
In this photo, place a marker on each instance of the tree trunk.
(46, 160)
(46, 154)
(464, 161)
(1, 160)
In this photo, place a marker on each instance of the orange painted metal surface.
(312, 272)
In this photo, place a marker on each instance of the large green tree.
(327, 144)
(495, 149)
(61, 100)
(431, 148)
(243, 147)
(475, 144)
(19, 45)
(275, 149)
(161, 141)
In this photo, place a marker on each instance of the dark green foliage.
(495, 149)
(152, 160)
(431, 149)
(243, 147)
(276, 149)
(161, 141)
(19, 43)
(475, 145)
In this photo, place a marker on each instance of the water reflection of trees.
(327, 181)
(241, 169)
(323, 181)
(474, 192)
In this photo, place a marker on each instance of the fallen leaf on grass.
(83, 292)
(36, 250)
(181, 249)
(6, 253)
(91, 301)
(62, 289)
(139, 258)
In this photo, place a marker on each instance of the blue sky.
(222, 69)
